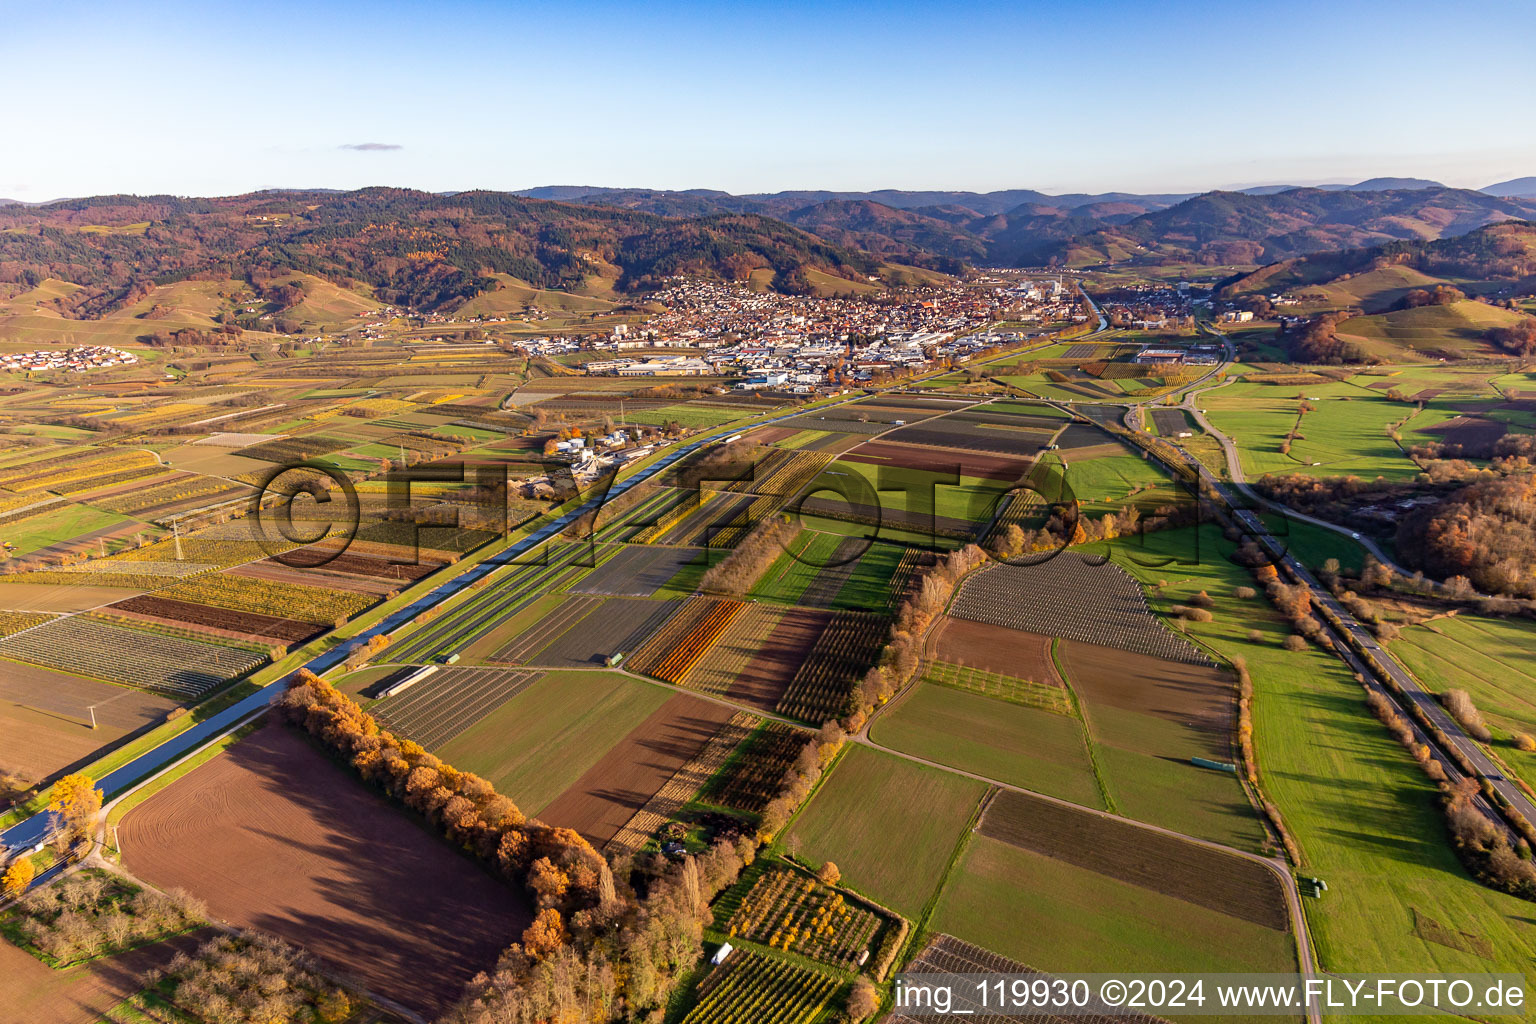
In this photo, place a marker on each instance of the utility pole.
(92, 710)
(176, 530)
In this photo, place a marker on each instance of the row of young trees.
(737, 572)
(902, 653)
(1483, 846)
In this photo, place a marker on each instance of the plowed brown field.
(1193, 695)
(35, 993)
(1009, 652)
(635, 769)
(45, 718)
(768, 674)
(275, 836)
(271, 627)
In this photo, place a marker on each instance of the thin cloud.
(371, 147)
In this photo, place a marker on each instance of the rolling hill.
(404, 247)
(1515, 187)
(1236, 228)
(1453, 331)
(1022, 227)
(1495, 260)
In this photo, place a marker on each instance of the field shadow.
(363, 884)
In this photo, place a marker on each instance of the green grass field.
(1105, 484)
(541, 741)
(1363, 812)
(890, 825)
(1058, 917)
(692, 416)
(1145, 762)
(58, 523)
(1345, 433)
(972, 498)
(1034, 749)
(1372, 291)
(1494, 660)
(797, 568)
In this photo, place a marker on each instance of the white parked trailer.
(410, 680)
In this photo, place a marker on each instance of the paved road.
(35, 829)
(1239, 481)
(1416, 695)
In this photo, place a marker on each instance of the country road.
(1239, 481)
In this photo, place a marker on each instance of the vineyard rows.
(544, 632)
(681, 787)
(151, 475)
(734, 651)
(15, 622)
(798, 914)
(949, 956)
(149, 570)
(754, 777)
(185, 489)
(714, 521)
(90, 466)
(267, 597)
(843, 653)
(438, 708)
(752, 989)
(179, 667)
(294, 449)
(786, 479)
(691, 502)
(1067, 597)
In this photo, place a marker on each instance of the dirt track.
(275, 836)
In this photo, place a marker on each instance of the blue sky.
(205, 99)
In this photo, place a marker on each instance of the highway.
(34, 830)
(1363, 638)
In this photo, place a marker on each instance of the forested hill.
(413, 248)
(1025, 228)
(1498, 258)
(1236, 228)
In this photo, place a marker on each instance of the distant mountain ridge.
(437, 251)
(1221, 228)
(1525, 187)
(410, 248)
(945, 230)
(1497, 258)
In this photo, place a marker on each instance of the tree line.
(608, 942)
